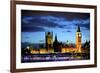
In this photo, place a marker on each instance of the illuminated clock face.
(79, 35)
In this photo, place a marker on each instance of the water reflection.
(54, 57)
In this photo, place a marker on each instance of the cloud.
(35, 23)
(32, 29)
(83, 23)
(67, 31)
(31, 23)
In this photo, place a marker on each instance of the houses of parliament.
(57, 47)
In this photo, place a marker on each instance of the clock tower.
(78, 39)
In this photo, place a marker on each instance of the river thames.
(54, 57)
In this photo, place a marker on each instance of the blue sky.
(34, 24)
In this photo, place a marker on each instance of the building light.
(28, 47)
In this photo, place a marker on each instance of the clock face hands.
(79, 34)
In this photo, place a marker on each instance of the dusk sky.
(34, 24)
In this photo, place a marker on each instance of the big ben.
(78, 39)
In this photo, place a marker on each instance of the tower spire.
(56, 38)
(78, 29)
